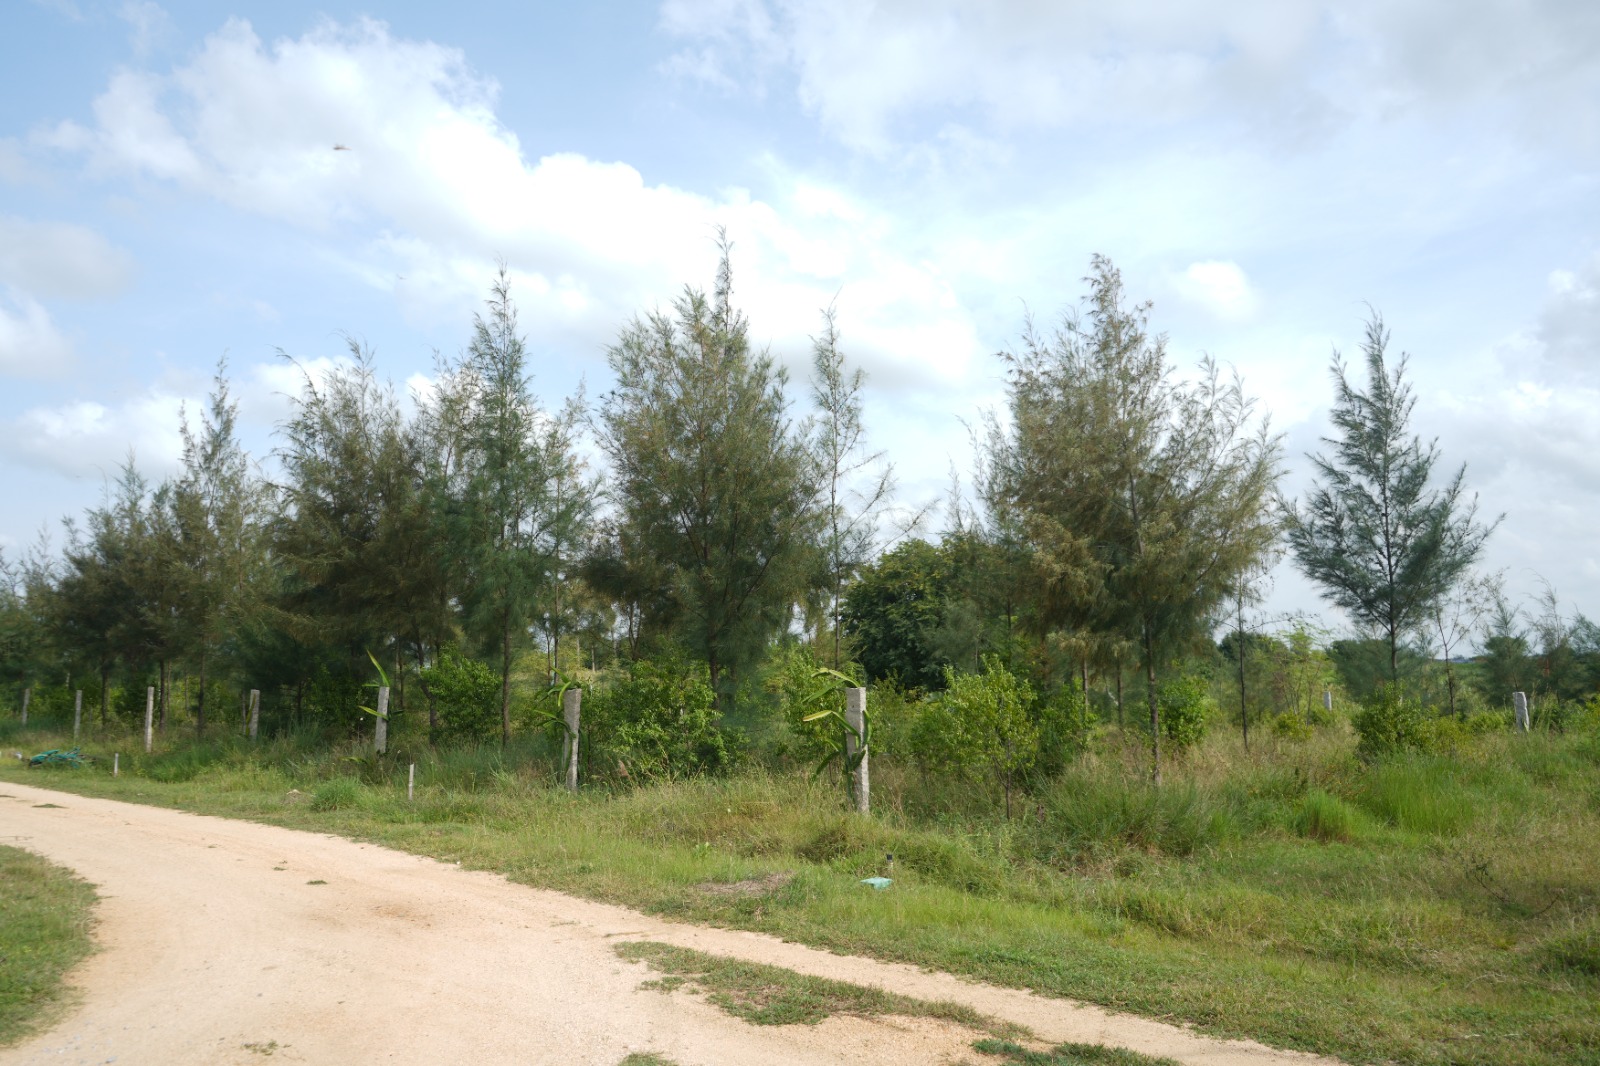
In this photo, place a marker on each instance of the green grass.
(1425, 910)
(772, 995)
(44, 932)
(1068, 1055)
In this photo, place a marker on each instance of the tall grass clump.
(1086, 814)
(337, 794)
(1417, 793)
(1323, 816)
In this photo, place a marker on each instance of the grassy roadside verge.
(44, 932)
(1433, 911)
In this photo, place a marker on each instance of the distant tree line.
(1117, 523)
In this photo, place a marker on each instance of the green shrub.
(1291, 726)
(1065, 725)
(466, 693)
(980, 728)
(656, 720)
(1389, 722)
(1186, 707)
(801, 690)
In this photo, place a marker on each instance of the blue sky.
(1263, 170)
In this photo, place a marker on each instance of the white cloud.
(1220, 287)
(870, 70)
(88, 439)
(148, 24)
(61, 261)
(433, 189)
(1569, 328)
(30, 344)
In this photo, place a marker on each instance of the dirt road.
(225, 942)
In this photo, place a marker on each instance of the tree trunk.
(1244, 711)
(1155, 708)
(200, 704)
(105, 691)
(1119, 694)
(505, 681)
(427, 694)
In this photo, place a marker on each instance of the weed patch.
(771, 995)
(44, 932)
(1068, 1055)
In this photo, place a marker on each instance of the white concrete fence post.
(77, 714)
(1519, 703)
(855, 716)
(27, 694)
(380, 732)
(255, 712)
(149, 717)
(572, 710)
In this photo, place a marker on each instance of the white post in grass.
(380, 732)
(77, 713)
(27, 694)
(571, 709)
(855, 716)
(116, 759)
(1519, 703)
(1327, 700)
(255, 712)
(411, 783)
(149, 717)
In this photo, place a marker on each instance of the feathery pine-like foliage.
(714, 486)
(1383, 545)
(1143, 498)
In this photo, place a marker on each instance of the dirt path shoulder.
(226, 942)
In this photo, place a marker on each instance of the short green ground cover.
(772, 995)
(1425, 909)
(45, 916)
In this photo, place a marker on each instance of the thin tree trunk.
(1119, 693)
(505, 681)
(1155, 709)
(1244, 713)
(200, 703)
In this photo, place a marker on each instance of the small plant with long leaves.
(378, 685)
(832, 682)
(548, 702)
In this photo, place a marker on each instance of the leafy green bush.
(1389, 722)
(467, 695)
(796, 680)
(980, 728)
(1185, 706)
(1291, 726)
(1065, 725)
(656, 720)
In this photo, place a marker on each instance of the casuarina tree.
(1385, 543)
